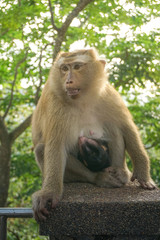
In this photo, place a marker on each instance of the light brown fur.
(61, 117)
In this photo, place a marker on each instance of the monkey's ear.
(103, 62)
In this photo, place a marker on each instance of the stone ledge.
(120, 213)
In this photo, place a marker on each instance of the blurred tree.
(32, 32)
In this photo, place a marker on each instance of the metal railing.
(6, 213)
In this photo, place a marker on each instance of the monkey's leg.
(77, 172)
(138, 154)
(118, 168)
(39, 155)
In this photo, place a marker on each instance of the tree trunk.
(5, 155)
(6, 141)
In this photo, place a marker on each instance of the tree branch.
(80, 6)
(40, 77)
(20, 129)
(62, 31)
(19, 3)
(3, 131)
(52, 17)
(83, 22)
(40, 72)
(13, 84)
(14, 233)
(5, 31)
(151, 146)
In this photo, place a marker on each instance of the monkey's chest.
(90, 127)
(85, 125)
(91, 131)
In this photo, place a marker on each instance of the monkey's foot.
(150, 185)
(42, 202)
(112, 177)
(122, 174)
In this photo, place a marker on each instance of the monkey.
(78, 100)
(93, 153)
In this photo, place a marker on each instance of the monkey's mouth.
(72, 91)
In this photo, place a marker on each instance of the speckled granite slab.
(120, 213)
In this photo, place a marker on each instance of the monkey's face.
(79, 73)
(72, 76)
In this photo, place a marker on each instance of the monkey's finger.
(45, 211)
(147, 185)
(115, 182)
(42, 211)
(39, 216)
(110, 170)
(35, 216)
(54, 203)
(133, 178)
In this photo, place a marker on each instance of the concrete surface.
(90, 212)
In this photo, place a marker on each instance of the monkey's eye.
(77, 66)
(64, 68)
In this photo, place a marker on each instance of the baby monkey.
(94, 153)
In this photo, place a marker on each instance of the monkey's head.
(93, 153)
(78, 73)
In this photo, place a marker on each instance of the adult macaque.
(78, 101)
(93, 153)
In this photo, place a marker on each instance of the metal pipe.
(16, 212)
(12, 213)
(3, 228)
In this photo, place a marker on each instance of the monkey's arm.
(52, 188)
(138, 154)
(124, 135)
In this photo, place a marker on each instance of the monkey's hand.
(43, 201)
(113, 177)
(146, 184)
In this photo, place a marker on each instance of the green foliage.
(146, 112)
(24, 229)
(139, 58)
(25, 180)
(27, 41)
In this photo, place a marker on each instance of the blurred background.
(125, 32)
